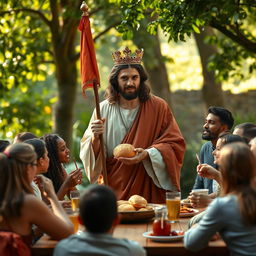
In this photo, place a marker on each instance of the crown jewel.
(127, 57)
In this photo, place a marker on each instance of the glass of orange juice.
(173, 205)
(74, 196)
(73, 216)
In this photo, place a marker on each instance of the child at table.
(59, 154)
(98, 213)
(234, 214)
(19, 208)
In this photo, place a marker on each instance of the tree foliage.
(38, 38)
(234, 19)
(25, 59)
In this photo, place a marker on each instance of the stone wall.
(190, 110)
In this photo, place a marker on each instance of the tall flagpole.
(103, 159)
(90, 74)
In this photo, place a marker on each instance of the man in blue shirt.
(218, 120)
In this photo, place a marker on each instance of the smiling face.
(212, 128)
(129, 83)
(63, 151)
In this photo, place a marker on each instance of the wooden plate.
(136, 216)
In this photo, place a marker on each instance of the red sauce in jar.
(161, 227)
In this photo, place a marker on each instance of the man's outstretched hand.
(141, 154)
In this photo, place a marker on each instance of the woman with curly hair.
(59, 154)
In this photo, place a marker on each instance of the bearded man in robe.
(133, 115)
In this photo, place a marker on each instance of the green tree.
(180, 18)
(211, 89)
(38, 37)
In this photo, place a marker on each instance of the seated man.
(98, 213)
(219, 120)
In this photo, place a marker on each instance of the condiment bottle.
(161, 225)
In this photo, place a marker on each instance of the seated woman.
(42, 163)
(59, 154)
(207, 171)
(234, 214)
(19, 208)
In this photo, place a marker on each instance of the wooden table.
(45, 246)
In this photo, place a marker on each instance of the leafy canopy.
(234, 20)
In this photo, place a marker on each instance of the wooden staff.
(85, 15)
(97, 106)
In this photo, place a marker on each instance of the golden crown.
(127, 58)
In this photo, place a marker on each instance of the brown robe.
(156, 127)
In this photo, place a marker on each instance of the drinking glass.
(173, 205)
(73, 216)
(74, 196)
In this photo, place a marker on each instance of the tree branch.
(38, 13)
(251, 5)
(55, 18)
(239, 38)
(95, 11)
(69, 29)
(105, 30)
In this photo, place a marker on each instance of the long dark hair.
(112, 94)
(55, 170)
(39, 146)
(238, 168)
(14, 182)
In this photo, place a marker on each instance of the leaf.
(196, 29)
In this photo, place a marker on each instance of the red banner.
(88, 62)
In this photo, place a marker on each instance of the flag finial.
(84, 8)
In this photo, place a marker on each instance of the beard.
(208, 135)
(129, 95)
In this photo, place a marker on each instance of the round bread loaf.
(119, 202)
(138, 201)
(124, 150)
(126, 208)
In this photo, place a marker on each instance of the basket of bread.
(136, 208)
